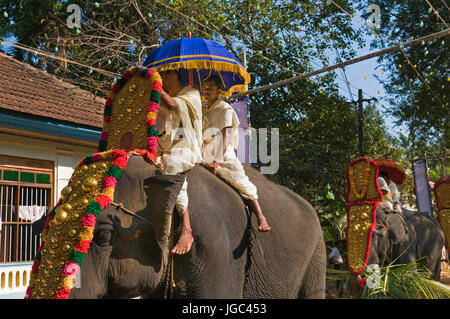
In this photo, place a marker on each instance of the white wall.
(14, 280)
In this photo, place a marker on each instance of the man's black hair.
(178, 72)
(214, 78)
(179, 75)
(384, 174)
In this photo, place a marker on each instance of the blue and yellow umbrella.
(200, 58)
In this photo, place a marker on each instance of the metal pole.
(360, 124)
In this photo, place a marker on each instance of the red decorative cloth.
(395, 171)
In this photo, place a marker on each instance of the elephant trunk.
(91, 280)
(162, 192)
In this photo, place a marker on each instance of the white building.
(46, 127)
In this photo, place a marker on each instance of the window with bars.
(25, 196)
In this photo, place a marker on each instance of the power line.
(437, 13)
(443, 1)
(400, 45)
(340, 65)
(227, 38)
(36, 51)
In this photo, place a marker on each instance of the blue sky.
(362, 75)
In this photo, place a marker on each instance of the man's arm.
(167, 101)
(222, 148)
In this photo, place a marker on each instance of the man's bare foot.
(184, 243)
(263, 225)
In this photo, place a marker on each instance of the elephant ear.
(397, 229)
(162, 192)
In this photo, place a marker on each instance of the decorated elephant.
(129, 256)
(407, 237)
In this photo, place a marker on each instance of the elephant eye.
(102, 237)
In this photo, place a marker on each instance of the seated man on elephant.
(220, 139)
(180, 126)
(395, 194)
(386, 201)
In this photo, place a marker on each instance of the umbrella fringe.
(212, 65)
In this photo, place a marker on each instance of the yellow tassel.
(151, 115)
(87, 233)
(211, 65)
(69, 281)
(155, 77)
(223, 82)
(106, 155)
(109, 191)
(199, 81)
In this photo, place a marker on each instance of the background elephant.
(129, 257)
(407, 239)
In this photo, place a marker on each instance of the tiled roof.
(28, 90)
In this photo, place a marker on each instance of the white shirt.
(182, 142)
(216, 118)
(394, 193)
(336, 255)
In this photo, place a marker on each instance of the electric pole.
(361, 120)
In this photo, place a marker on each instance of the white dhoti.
(234, 174)
(221, 115)
(182, 199)
(181, 141)
(395, 196)
(386, 201)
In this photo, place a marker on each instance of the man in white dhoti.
(395, 194)
(179, 124)
(386, 201)
(220, 139)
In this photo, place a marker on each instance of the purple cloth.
(242, 110)
(422, 187)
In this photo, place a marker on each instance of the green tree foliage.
(420, 103)
(318, 128)
(28, 21)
